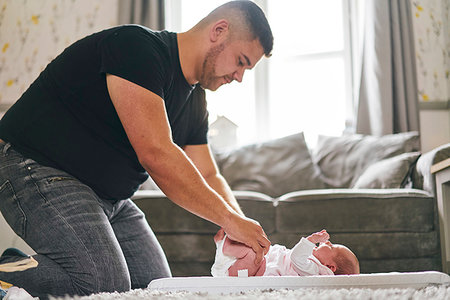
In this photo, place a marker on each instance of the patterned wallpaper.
(432, 40)
(33, 32)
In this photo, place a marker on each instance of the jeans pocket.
(59, 179)
(11, 209)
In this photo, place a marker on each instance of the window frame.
(173, 18)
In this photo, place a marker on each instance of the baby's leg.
(245, 259)
(219, 235)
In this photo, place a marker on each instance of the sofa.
(375, 195)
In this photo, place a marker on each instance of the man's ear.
(332, 267)
(219, 30)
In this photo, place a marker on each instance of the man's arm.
(144, 118)
(203, 159)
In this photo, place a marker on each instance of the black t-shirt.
(66, 119)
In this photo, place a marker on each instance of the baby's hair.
(346, 264)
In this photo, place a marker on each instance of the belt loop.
(5, 148)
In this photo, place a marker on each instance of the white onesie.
(280, 261)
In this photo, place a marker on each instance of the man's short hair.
(254, 19)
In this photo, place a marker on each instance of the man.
(111, 108)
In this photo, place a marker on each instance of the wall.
(432, 41)
(434, 128)
(32, 33)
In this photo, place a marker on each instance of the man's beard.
(208, 79)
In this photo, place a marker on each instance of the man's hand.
(250, 233)
(319, 237)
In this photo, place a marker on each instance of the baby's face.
(326, 252)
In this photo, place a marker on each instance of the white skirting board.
(226, 285)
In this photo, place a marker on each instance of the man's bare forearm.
(179, 179)
(219, 184)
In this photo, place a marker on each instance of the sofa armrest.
(140, 194)
(423, 179)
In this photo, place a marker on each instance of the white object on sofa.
(223, 285)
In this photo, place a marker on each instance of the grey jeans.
(84, 244)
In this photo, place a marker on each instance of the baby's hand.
(319, 237)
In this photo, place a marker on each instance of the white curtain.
(387, 96)
(149, 13)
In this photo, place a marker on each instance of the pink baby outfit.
(233, 256)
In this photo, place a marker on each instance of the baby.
(305, 259)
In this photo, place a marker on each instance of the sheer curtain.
(149, 13)
(387, 96)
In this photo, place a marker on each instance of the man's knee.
(113, 277)
(120, 281)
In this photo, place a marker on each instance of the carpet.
(429, 292)
(413, 285)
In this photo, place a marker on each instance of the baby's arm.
(303, 250)
(319, 237)
(300, 258)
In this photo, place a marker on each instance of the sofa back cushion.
(274, 167)
(356, 211)
(343, 159)
(389, 173)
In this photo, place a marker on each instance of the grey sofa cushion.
(343, 159)
(356, 210)
(388, 173)
(274, 167)
(165, 217)
(374, 245)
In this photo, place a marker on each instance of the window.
(305, 85)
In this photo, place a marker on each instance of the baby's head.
(338, 258)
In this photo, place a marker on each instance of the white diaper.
(222, 262)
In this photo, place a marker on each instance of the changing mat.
(224, 285)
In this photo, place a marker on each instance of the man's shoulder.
(142, 33)
(139, 44)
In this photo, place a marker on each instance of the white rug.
(430, 292)
(401, 286)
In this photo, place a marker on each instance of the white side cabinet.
(441, 172)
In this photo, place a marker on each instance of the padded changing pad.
(224, 285)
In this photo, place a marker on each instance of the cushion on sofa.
(423, 179)
(165, 217)
(356, 210)
(388, 173)
(343, 159)
(274, 167)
